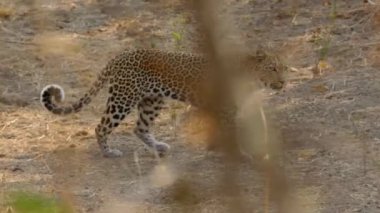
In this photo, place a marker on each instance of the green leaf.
(23, 202)
(177, 36)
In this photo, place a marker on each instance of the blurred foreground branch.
(223, 108)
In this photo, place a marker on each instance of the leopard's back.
(180, 75)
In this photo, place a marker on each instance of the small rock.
(16, 169)
(81, 133)
(90, 209)
(85, 193)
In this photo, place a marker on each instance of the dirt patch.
(328, 113)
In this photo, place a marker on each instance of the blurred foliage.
(25, 202)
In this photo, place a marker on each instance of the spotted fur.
(145, 78)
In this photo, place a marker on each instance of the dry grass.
(57, 44)
(329, 156)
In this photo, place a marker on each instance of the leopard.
(145, 79)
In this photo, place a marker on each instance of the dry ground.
(328, 123)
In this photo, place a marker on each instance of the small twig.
(371, 2)
(264, 120)
(16, 35)
(266, 158)
(367, 17)
(47, 166)
(8, 124)
(137, 162)
(369, 44)
(365, 146)
(17, 42)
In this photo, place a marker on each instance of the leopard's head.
(266, 68)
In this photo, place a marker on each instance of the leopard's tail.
(52, 95)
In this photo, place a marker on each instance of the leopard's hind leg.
(117, 110)
(149, 109)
